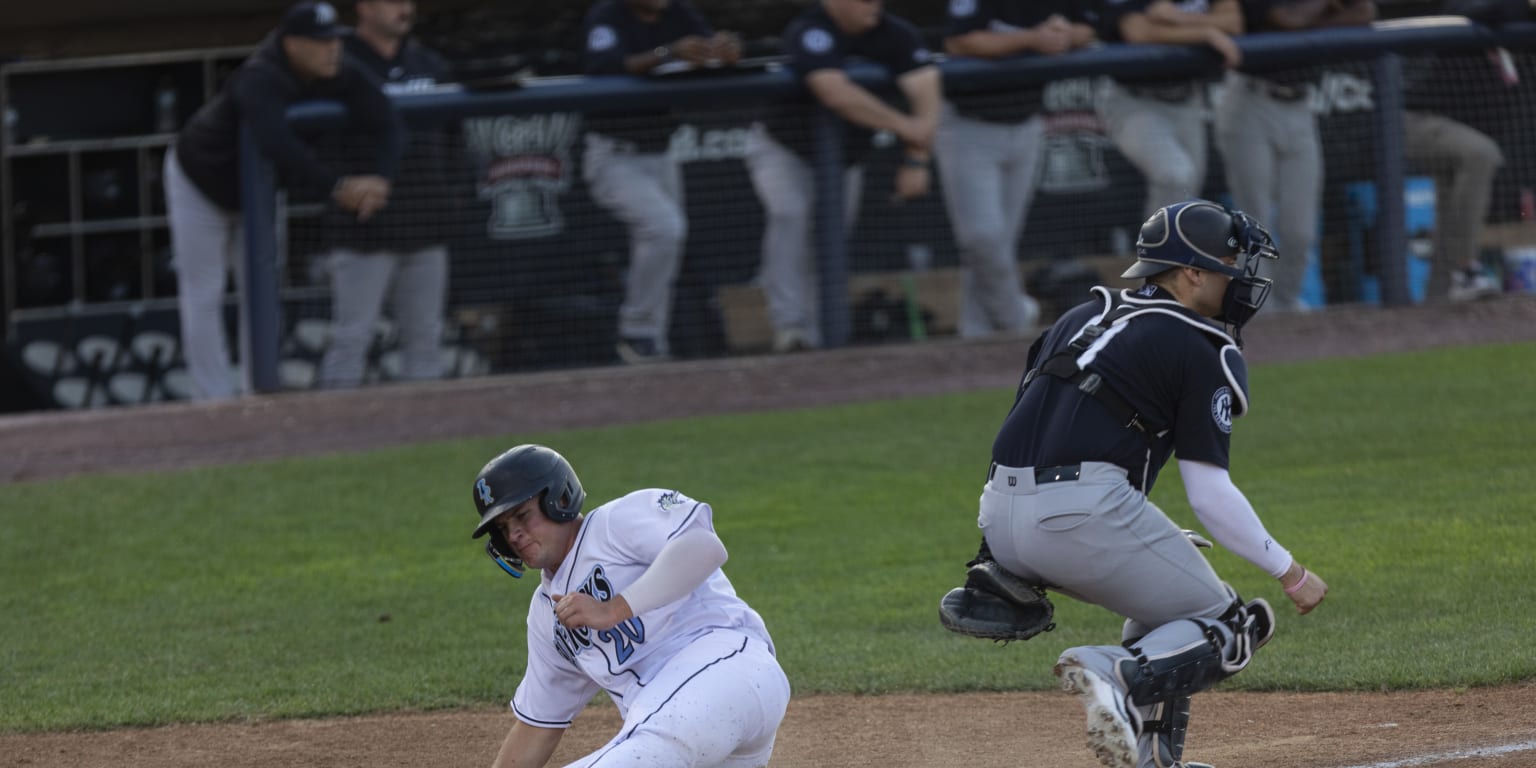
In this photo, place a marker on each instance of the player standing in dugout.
(299, 61)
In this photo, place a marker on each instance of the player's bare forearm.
(987, 44)
(528, 746)
(856, 105)
(924, 89)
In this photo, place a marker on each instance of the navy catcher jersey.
(813, 42)
(1005, 16)
(614, 33)
(1176, 368)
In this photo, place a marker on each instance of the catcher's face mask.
(1247, 291)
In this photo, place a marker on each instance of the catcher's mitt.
(996, 605)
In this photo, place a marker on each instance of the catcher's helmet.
(520, 474)
(1200, 234)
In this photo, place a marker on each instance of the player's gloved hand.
(579, 609)
(1305, 588)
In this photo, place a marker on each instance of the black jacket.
(430, 190)
(259, 93)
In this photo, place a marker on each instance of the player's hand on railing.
(579, 609)
(1224, 45)
(1052, 36)
(692, 49)
(724, 49)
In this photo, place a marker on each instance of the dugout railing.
(1378, 50)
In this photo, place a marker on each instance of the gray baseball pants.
(989, 171)
(415, 284)
(1463, 162)
(1165, 140)
(206, 243)
(1101, 541)
(644, 191)
(1274, 160)
(786, 187)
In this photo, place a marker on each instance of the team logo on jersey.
(601, 38)
(525, 165)
(484, 489)
(816, 40)
(1221, 409)
(621, 639)
(922, 55)
(962, 8)
(669, 500)
(325, 14)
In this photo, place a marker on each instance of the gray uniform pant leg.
(1463, 162)
(1100, 541)
(1274, 160)
(206, 241)
(414, 282)
(645, 193)
(417, 301)
(785, 186)
(1166, 141)
(989, 172)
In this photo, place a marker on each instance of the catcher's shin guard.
(996, 605)
(1163, 726)
(1198, 653)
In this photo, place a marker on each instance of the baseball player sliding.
(1114, 388)
(631, 600)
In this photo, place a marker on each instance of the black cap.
(313, 20)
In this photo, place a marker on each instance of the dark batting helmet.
(1202, 234)
(522, 473)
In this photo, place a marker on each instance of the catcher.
(1112, 390)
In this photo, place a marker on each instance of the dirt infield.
(1479, 728)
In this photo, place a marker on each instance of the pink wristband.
(1301, 582)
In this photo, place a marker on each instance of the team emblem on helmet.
(484, 489)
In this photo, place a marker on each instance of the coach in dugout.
(399, 257)
(300, 60)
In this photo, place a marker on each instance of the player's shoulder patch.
(1221, 408)
(922, 55)
(670, 500)
(962, 8)
(816, 40)
(601, 38)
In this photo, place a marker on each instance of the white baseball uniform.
(696, 679)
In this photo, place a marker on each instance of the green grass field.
(349, 584)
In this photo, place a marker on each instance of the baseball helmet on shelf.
(1202, 234)
(522, 473)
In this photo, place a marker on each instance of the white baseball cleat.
(1112, 725)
